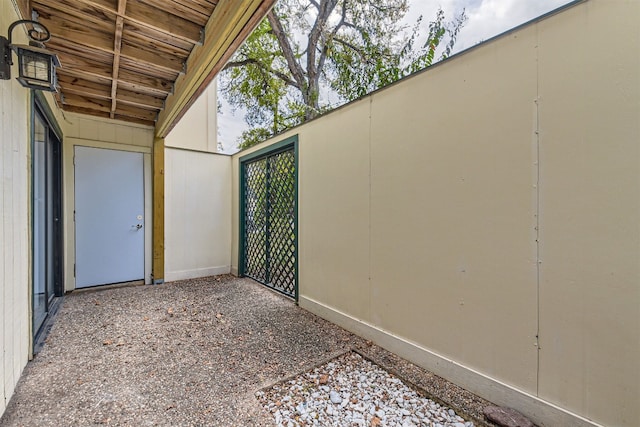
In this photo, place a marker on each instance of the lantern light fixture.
(36, 65)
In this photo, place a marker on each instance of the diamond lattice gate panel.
(269, 213)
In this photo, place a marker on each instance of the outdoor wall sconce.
(36, 65)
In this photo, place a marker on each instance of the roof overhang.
(143, 61)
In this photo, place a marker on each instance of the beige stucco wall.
(481, 218)
(15, 307)
(89, 131)
(197, 214)
(197, 129)
(590, 211)
(453, 210)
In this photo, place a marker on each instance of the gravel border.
(350, 390)
(187, 353)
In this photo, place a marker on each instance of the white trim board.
(171, 276)
(542, 413)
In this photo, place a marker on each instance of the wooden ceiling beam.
(77, 34)
(145, 69)
(134, 120)
(73, 51)
(75, 73)
(105, 107)
(86, 111)
(70, 10)
(162, 37)
(63, 14)
(138, 113)
(99, 72)
(165, 62)
(79, 86)
(87, 102)
(149, 17)
(107, 4)
(76, 64)
(230, 24)
(146, 41)
(180, 9)
(164, 21)
(93, 45)
(117, 46)
(201, 6)
(140, 83)
(138, 100)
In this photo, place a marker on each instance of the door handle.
(137, 226)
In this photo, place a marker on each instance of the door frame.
(40, 108)
(139, 170)
(70, 230)
(278, 147)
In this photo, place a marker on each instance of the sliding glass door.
(47, 248)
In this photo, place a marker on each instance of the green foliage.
(254, 136)
(308, 47)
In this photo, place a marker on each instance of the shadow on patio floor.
(184, 353)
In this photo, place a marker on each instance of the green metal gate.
(269, 217)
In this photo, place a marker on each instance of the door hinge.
(74, 216)
(74, 270)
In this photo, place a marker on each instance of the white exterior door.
(109, 216)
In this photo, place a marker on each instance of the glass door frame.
(52, 261)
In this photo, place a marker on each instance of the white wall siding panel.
(197, 195)
(197, 214)
(14, 224)
(590, 211)
(453, 210)
(197, 129)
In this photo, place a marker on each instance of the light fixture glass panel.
(35, 66)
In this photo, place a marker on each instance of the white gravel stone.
(354, 392)
(335, 397)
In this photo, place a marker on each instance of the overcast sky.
(486, 18)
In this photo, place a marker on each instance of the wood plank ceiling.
(121, 58)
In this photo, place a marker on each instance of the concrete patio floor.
(189, 353)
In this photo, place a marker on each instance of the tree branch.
(351, 46)
(326, 8)
(327, 42)
(296, 70)
(252, 61)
